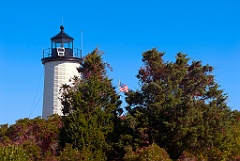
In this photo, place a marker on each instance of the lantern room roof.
(62, 36)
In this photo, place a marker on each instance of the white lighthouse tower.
(61, 63)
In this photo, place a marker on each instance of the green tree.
(231, 147)
(181, 103)
(90, 106)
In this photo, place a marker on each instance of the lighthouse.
(60, 65)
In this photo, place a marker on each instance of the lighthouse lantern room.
(61, 62)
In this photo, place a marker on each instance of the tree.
(181, 103)
(92, 89)
(90, 106)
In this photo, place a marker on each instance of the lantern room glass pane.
(56, 45)
(65, 45)
(68, 45)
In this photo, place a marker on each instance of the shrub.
(151, 153)
(69, 154)
(14, 153)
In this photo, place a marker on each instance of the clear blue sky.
(207, 30)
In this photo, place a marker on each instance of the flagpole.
(118, 86)
(81, 50)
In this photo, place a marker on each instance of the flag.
(123, 87)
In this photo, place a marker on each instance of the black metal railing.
(47, 53)
(77, 52)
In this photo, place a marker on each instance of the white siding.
(56, 74)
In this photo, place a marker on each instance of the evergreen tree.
(181, 103)
(90, 106)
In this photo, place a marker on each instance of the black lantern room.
(61, 49)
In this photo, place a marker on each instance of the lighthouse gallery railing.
(77, 53)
